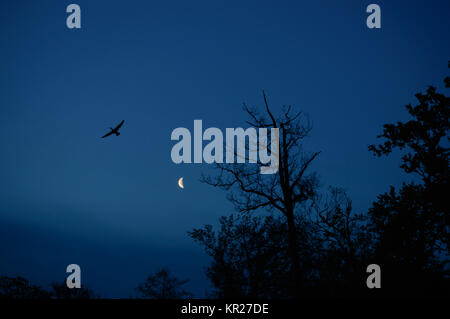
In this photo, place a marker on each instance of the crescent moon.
(180, 182)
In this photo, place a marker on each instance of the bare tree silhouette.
(342, 239)
(284, 191)
(161, 285)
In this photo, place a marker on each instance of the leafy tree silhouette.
(161, 285)
(20, 288)
(61, 291)
(249, 256)
(250, 253)
(411, 226)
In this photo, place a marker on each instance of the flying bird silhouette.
(114, 130)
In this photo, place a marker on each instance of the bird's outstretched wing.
(107, 134)
(118, 126)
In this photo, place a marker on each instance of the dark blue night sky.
(113, 205)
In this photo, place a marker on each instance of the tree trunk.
(293, 254)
